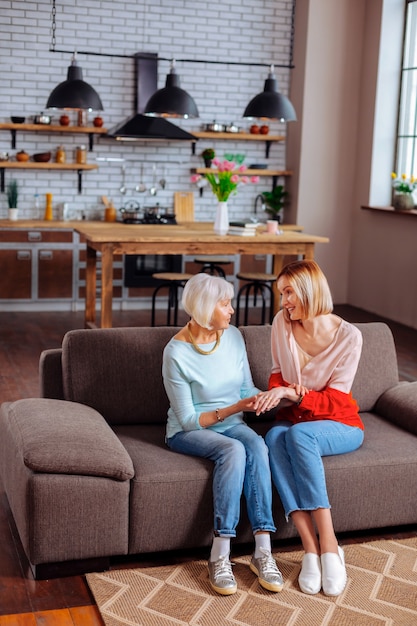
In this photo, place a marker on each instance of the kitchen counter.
(26, 223)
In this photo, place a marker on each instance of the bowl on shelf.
(17, 119)
(42, 157)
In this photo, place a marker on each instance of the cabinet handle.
(34, 235)
(24, 255)
(46, 255)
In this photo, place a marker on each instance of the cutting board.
(184, 206)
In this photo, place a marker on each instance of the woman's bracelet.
(219, 419)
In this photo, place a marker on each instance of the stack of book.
(243, 228)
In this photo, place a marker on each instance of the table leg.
(106, 285)
(90, 288)
(277, 265)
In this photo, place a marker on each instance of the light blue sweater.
(196, 383)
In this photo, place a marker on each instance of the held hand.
(267, 400)
(300, 390)
(248, 404)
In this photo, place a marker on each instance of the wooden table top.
(197, 232)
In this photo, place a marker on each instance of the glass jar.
(60, 156)
(81, 155)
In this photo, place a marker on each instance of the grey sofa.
(88, 476)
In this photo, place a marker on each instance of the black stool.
(212, 264)
(172, 281)
(260, 285)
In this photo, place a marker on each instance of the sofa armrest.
(50, 374)
(60, 437)
(399, 406)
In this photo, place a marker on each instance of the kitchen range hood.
(139, 126)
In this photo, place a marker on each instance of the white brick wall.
(253, 31)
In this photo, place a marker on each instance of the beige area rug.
(381, 591)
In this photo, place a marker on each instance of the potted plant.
(208, 155)
(275, 201)
(12, 198)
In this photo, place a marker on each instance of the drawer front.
(35, 236)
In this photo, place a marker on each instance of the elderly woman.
(209, 385)
(315, 355)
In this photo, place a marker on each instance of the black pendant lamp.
(171, 101)
(271, 105)
(74, 93)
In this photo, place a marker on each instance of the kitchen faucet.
(261, 198)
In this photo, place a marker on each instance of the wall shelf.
(53, 128)
(268, 139)
(249, 172)
(16, 165)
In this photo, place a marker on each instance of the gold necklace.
(197, 347)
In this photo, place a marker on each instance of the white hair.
(201, 295)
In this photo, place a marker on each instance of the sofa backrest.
(118, 372)
(377, 370)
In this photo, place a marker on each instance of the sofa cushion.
(118, 372)
(59, 437)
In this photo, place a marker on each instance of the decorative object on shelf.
(60, 155)
(269, 104)
(48, 207)
(224, 181)
(208, 155)
(42, 157)
(17, 119)
(22, 156)
(172, 101)
(98, 121)
(81, 155)
(236, 158)
(274, 202)
(12, 199)
(403, 187)
(42, 118)
(64, 120)
(4, 156)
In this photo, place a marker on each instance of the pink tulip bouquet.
(225, 178)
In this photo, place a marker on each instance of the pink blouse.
(329, 375)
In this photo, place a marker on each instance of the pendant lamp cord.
(289, 66)
(292, 35)
(53, 26)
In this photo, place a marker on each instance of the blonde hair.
(201, 295)
(310, 286)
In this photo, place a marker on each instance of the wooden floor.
(67, 601)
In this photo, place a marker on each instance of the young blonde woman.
(315, 356)
(209, 385)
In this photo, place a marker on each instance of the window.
(406, 158)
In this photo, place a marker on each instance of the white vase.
(13, 214)
(221, 223)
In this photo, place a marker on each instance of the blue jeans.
(240, 463)
(296, 452)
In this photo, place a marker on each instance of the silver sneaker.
(221, 576)
(266, 569)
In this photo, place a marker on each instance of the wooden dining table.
(191, 238)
